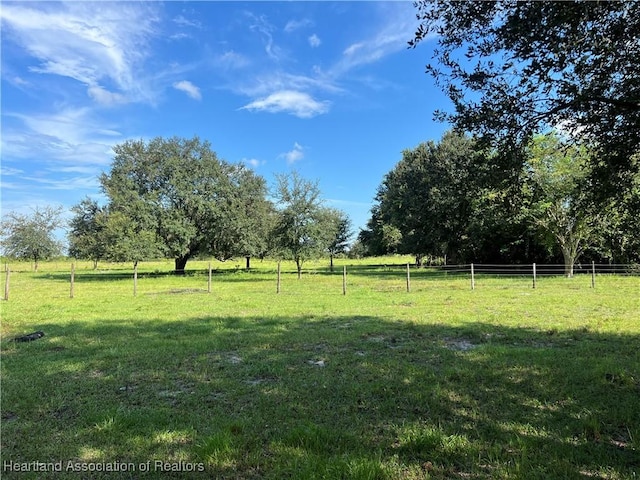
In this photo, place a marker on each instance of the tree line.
(453, 200)
(174, 198)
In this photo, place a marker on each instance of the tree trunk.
(181, 262)
(299, 267)
(331, 262)
(569, 260)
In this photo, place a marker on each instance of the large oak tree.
(194, 202)
(514, 69)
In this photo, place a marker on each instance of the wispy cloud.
(184, 22)
(262, 25)
(300, 104)
(314, 40)
(293, 25)
(91, 42)
(105, 97)
(399, 25)
(232, 60)
(299, 93)
(294, 155)
(188, 88)
(69, 136)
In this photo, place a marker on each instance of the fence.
(381, 276)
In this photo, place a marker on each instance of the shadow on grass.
(332, 397)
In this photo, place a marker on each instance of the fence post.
(408, 278)
(593, 274)
(209, 280)
(73, 277)
(135, 279)
(534, 275)
(278, 279)
(473, 278)
(6, 283)
(344, 279)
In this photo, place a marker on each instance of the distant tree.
(357, 250)
(304, 229)
(559, 201)
(87, 231)
(342, 226)
(195, 203)
(31, 237)
(513, 69)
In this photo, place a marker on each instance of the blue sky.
(329, 89)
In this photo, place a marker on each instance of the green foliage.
(195, 203)
(513, 69)
(31, 236)
(87, 231)
(127, 240)
(557, 180)
(447, 200)
(425, 203)
(339, 222)
(305, 229)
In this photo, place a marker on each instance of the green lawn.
(441, 382)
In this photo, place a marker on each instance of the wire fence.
(283, 278)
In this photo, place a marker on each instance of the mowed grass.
(501, 382)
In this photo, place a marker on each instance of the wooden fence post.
(593, 274)
(534, 275)
(473, 278)
(278, 279)
(209, 280)
(408, 278)
(73, 278)
(135, 279)
(344, 280)
(6, 283)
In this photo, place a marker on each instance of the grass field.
(501, 382)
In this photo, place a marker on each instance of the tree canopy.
(305, 228)
(193, 202)
(424, 203)
(32, 237)
(514, 69)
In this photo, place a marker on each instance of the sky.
(329, 89)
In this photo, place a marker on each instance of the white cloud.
(353, 48)
(69, 136)
(232, 60)
(391, 37)
(9, 171)
(262, 25)
(105, 97)
(184, 22)
(188, 88)
(253, 162)
(296, 103)
(314, 40)
(90, 42)
(294, 155)
(293, 25)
